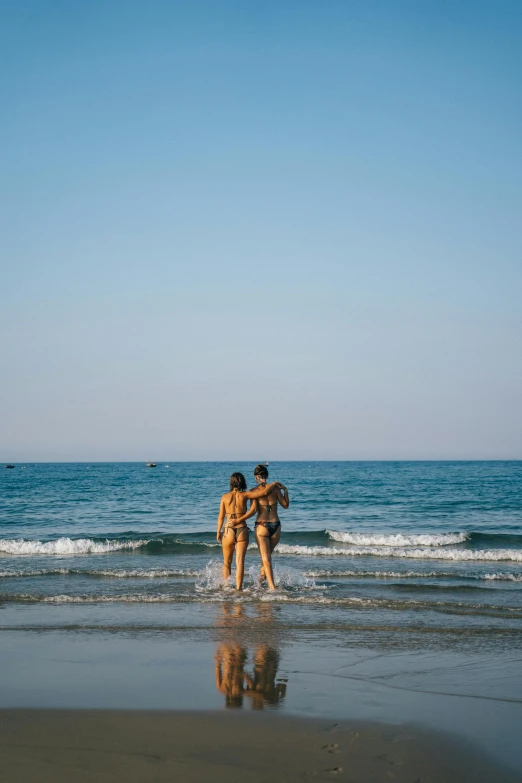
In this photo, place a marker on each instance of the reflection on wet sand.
(235, 678)
(263, 688)
(230, 673)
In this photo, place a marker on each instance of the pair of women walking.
(264, 502)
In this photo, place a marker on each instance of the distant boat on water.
(9, 466)
(150, 464)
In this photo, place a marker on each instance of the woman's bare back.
(235, 503)
(267, 507)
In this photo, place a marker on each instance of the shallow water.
(228, 656)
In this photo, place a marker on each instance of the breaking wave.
(66, 546)
(303, 542)
(398, 539)
(415, 554)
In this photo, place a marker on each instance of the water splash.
(211, 578)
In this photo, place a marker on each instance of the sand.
(71, 746)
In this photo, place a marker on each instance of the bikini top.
(267, 504)
(236, 513)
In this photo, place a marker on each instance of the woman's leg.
(263, 542)
(273, 543)
(241, 548)
(228, 543)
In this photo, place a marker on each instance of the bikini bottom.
(271, 527)
(236, 530)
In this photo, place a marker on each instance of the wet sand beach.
(241, 697)
(60, 746)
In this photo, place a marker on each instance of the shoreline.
(126, 745)
(252, 668)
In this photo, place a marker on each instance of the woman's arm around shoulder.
(283, 499)
(261, 492)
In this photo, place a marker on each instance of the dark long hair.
(238, 481)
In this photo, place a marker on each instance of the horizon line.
(227, 461)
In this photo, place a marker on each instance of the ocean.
(364, 544)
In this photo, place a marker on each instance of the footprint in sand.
(332, 748)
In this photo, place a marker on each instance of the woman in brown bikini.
(236, 534)
(268, 525)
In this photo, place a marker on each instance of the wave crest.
(397, 539)
(333, 574)
(66, 546)
(113, 573)
(415, 554)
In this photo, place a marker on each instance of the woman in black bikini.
(236, 534)
(268, 526)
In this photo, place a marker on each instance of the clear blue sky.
(283, 229)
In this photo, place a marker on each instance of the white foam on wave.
(141, 573)
(161, 598)
(413, 575)
(107, 599)
(23, 572)
(415, 554)
(377, 574)
(397, 539)
(66, 546)
(115, 573)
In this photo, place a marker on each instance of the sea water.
(364, 545)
